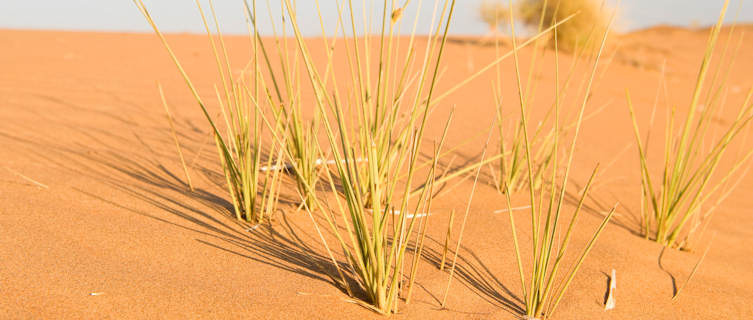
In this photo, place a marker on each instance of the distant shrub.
(582, 31)
(494, 14)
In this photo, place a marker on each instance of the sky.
(182, 15)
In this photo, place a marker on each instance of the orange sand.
(80, 114)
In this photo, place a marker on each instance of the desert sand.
(96, 222)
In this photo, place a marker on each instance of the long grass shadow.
(263, 244)
(599, 207)
(127, 160)
(476, 276)
(144, 178)
(113, 160)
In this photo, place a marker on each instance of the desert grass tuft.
(254, 192)
(384, 125)
(550, 243)
(381, 117)
(688, 169)
(287, 104)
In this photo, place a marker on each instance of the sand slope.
(108, 214)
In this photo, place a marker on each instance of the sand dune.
(95, 221)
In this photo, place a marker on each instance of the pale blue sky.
(181, 15)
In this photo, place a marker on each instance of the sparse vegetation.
(375, 142)
(544, 289)
(511, 158)
(253, 188)
(376, 213)
(688, 169)
(375, 124)
(376, 155)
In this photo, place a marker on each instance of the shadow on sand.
(119, 155)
